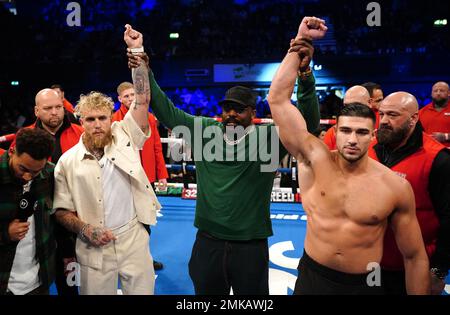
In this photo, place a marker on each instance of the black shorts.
(317, 279)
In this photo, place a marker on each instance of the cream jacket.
(78, 185)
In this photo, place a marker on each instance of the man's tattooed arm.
(142, 100)
(92, 234)
(69, 220)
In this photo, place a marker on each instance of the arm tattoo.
(69, 220)
(141, 85)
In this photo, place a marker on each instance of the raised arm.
(307, 101)
(410, 243)
(292, 126)
(162, 106)
(139, 110)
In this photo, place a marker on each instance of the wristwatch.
(439, 273)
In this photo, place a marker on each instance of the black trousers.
(60, 278)
(217, 265)
(393, 282)
(65, 247)
(38, 291)
(317, 279)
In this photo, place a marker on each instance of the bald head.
(440, 94)
(402, 101)
(441, 84)
(399, 113)
(49, 109)
(46, 95)
(357, 94)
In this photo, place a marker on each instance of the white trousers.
(127, 259)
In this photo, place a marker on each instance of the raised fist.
(133, 38)
(312, 27)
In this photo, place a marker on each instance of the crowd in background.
(241, 30)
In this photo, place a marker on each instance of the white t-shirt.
(117, 195)
(24, 276)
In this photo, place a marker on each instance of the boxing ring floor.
(173, 236)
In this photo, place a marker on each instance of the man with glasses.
(27, 245)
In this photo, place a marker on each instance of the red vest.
(416, 169)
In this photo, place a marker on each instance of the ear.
(11, 151)
(36, 110)
(414, 119)
(253, 113)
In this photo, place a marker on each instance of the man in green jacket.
(235, 162)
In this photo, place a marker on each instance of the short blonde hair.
(94, 101)
(124, 86)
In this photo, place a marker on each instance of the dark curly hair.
(38, 143)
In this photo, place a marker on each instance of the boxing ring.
(174, 234)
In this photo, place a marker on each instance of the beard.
(386, 135)
(440, 102)
(97, 143)
(230, 120)
(53, 122)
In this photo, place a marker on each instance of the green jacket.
(42, 188)
(233, 190)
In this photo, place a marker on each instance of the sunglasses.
(238, 108)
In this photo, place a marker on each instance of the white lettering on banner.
(276, 255)
(189, 193)
(280, 196)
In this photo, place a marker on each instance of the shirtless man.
(347, 196)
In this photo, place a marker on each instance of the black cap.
(241, 95)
